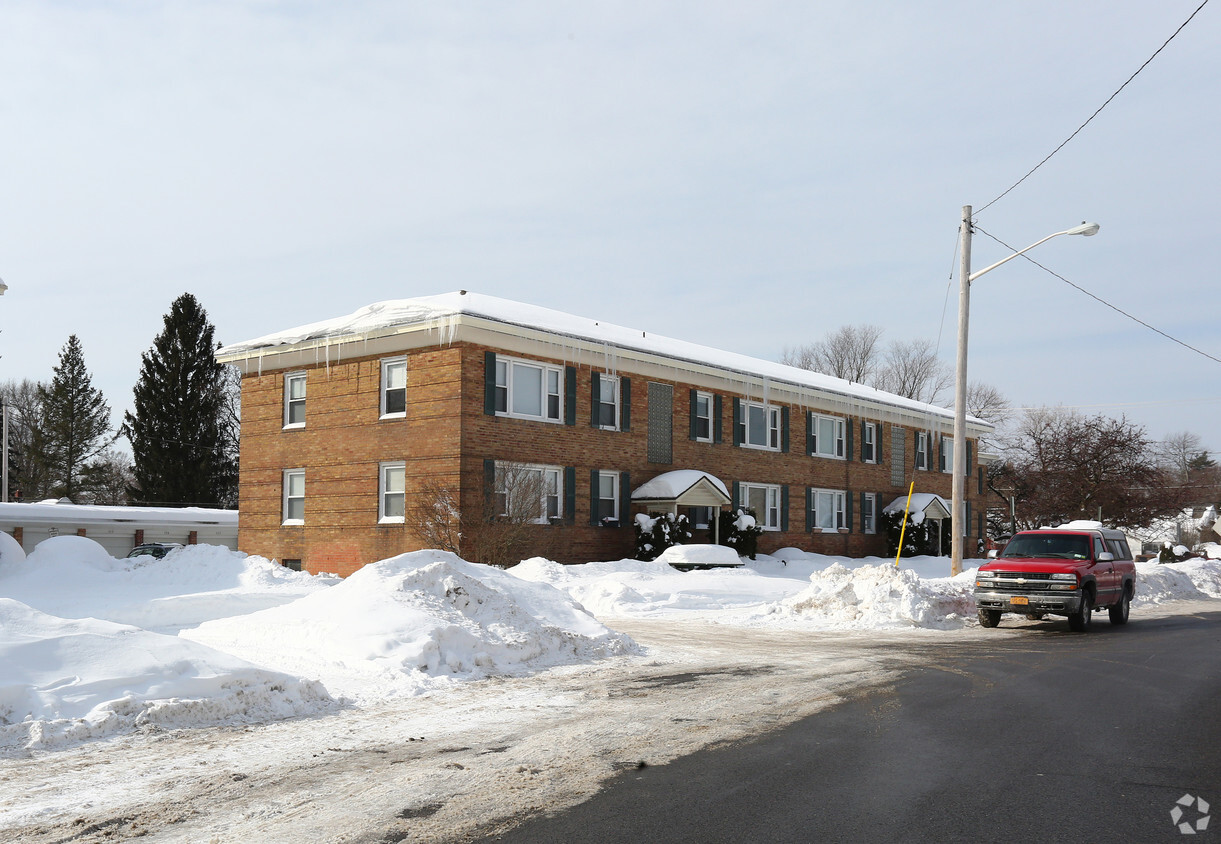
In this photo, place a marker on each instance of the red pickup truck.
(1058, 571)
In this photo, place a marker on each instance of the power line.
(1095, 114)
(1099, 299)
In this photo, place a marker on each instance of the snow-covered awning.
(924, 505)
(683, 488)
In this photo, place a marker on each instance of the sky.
(749, 177)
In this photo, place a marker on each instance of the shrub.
(740, 531)
(658, 531)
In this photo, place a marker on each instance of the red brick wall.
(447, 435)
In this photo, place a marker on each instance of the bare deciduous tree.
(851, 352)
(913, 370)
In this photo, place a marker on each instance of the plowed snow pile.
(407, 624)
(1192, 580)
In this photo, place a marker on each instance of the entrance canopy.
(924, 505)
(682, 488)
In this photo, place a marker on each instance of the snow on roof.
(671, 485)
(444, 311)
(58, 513)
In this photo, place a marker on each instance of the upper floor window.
(294, 400)
(606, 402)
(869, 442)
(392, 493)
(524, 493)
(394, 387)
(294, 497)
(827, 509)
(702, 416)
(764, 499)
(923, 450)
(947, 454)
(760, 426)
(529, 390)
(827, 435)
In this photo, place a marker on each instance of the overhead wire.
(1096, 113)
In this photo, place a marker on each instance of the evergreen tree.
(76, 421)
(182, 438)
(28, 477)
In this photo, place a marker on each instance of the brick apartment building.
(344, 421)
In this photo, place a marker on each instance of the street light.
(965, 277)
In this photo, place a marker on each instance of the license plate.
(1020, 602)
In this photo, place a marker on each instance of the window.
(392, 493)
(827, 436)
(528, 390)
(869, 510)
(294, 497)
(869, 442)
(528, 493)
(608, 496)
(702, 416)
(947, 454)
(294, 400)
(827, 509)
(606, 402)
(394, 387)
(764, 499)
(294, 565)
(923, 443)
(760, 426)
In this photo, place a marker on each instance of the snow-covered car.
(153, 549)
(687, 557)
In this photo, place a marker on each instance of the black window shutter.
(981, 480)
(916, 449)
(625, 498)
(595, 381)
(784, 430)
(570, 395)
(848, 510)
(717, 413)
(809, 433)
(848, 433)
(966, 470)
(737, 494)
(784, 506)
(737, 421)
(489, 383)
(489, 489)
(694, 403)
(966, 526)
(875, 515)
(625, 393)
(809, 509)
(877, 442)
(570, 494)
(864, 440)
(941, 453)
(594, 497)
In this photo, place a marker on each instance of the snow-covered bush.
(658, 531)
(1172, 553)
(916, 539)
(740, 530)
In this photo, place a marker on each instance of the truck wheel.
(989, 618)
(1079, 622)
(1119, 612)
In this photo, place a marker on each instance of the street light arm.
(1087, 229)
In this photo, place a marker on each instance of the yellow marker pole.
(903, 530)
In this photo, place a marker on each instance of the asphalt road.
(1043, 736)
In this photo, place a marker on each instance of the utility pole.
(958, 490)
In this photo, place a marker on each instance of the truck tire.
(989, 618)
(1079, 622)
(1119, 612)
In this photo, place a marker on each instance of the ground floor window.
(827, 509)
(764, 499)
(526, 493)
(294, 497)
(869, 512)
(393, 493)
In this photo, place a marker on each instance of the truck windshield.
(1052, 545)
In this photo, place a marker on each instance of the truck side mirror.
(1106, 557)
(992, 554)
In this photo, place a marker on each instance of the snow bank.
(63, 681)
(410, 623)
(1191, 580)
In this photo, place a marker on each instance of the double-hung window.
(606, 403)
(869, 442)
(702, 413)
(392, 493)
(394, 388)
(761, 423)
(527, 390)
(923, 456)
(827, 438)
(764, 499)
(869, 512)
(294, 400)
(293, 507)
(827, 509)
(608, 496)
(529, 493)
(947, 454)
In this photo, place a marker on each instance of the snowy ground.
(216, 696)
